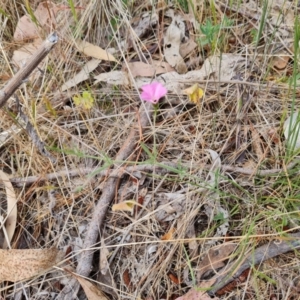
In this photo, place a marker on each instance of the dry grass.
(242, 123)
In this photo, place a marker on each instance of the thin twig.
(24, 72)
(162, 168)
(85, 261)
(255, 257)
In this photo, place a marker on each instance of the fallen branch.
(24, 72)
(84, 266)
(255, 257)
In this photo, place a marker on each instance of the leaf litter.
(239, 98)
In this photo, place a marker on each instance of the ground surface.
(201, 185)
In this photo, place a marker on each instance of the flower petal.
(153, 92)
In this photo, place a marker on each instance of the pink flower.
(153, 92)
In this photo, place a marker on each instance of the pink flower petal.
(153, 92)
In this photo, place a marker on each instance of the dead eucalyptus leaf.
(83, 75)
(45, 16)
(92, 292)
(16, 264)
(93, 51)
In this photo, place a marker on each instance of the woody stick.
(24, 72)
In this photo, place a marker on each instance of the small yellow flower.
(195, 93)
(85, 100)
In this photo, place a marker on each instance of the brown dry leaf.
(142, 69)
(25, 30)
(194, 294)
(89, 67)
(126, 278)
(169, 235)
(92, 292)
(16, 265)
(174, 278)
(214, 258)
(45, 15)
(11, 220)
(281, 60)
(94, 51)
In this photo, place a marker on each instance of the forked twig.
(24, 72)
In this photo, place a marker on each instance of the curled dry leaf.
(124, 206)
(16, 265)
(11, 220)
